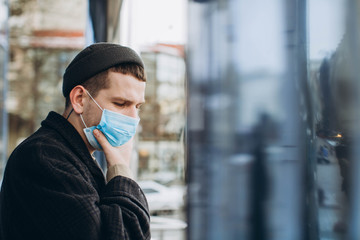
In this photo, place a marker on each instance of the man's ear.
(77, 97)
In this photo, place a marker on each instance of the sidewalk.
(331, 198)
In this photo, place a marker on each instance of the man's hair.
(100, 80)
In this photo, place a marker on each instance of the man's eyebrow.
(120, 99)
(125, 100)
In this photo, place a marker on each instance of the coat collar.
(76, 143)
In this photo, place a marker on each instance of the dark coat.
(53, 189)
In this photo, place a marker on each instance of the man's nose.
(132, 112)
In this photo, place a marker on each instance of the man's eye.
(119, 104)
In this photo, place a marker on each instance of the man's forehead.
(125, 88)
(117, 77)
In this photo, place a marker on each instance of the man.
(53, 188)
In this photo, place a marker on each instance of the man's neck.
(74, 120)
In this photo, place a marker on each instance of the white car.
(162, 198)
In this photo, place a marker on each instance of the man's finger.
(100, 137)
(114, 155)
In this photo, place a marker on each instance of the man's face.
(124, 95)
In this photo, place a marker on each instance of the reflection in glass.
(332, 94)
(273, 120)
(245, 151)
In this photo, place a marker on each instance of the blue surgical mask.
(117, 128)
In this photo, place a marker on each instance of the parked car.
(162, 199)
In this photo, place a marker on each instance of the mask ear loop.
(69, 114)
(94, 100)
(82, 119)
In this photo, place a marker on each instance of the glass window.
(273, 119)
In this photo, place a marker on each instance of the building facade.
(161, 139)
(44, 37)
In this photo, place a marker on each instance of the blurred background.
(38, 41)
(251, 127)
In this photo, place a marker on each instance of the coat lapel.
(76, 143)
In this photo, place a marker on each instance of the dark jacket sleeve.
(57, 199)
(123, 199)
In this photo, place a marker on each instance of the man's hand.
(115, 155)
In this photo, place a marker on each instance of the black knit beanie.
(94, 59)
